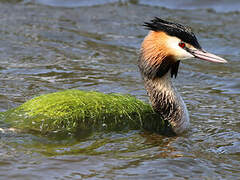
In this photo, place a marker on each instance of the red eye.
(182, 45)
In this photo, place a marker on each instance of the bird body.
(167, 102)
(162, 50)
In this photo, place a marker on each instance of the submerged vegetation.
(72, 111)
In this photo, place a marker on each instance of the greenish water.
(49, 45)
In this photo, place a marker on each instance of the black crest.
(173, 29)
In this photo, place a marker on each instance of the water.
(50, 45)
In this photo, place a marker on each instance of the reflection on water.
(47, 46)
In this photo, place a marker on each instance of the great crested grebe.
(162, 49)
(75, 110)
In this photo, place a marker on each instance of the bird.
(162, 50)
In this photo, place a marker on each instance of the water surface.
(50, 45)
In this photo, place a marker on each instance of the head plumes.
(173, 29)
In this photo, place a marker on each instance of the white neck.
(167, 102)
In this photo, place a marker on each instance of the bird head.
(166, 44)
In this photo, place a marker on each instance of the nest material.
(75, 110)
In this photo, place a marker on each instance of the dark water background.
(51, 45)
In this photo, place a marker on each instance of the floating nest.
(73, 111)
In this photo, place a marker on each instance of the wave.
(216, 5)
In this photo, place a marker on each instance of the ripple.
(74, 3)
(219, 6)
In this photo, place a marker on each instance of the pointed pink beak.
(201, 54)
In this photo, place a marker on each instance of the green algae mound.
(76, 110)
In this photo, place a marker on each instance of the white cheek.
(177, 51)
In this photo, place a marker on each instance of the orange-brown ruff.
(162, 49)
(154, 48)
